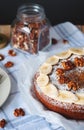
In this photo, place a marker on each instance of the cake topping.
(68, 65)
(52, 60)
(45, 68)
(63, 55)
(60, 71)
(67, 96)
(50, 90)
(63, 79)
(79, 61)
(78, 51)
(42, 80)
(72, 85)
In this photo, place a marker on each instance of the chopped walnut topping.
(79, 61)
(19, 112)
(2, 123)
(81, 76)
(72, 85)
(60, 71)
(68, 65)
(63, 79)
(69, 74)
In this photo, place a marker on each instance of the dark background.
(57, 11)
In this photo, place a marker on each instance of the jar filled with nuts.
(30, 31)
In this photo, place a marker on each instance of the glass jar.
(30, 31)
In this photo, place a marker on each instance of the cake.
(59, 83)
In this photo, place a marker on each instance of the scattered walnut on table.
(16, 112)
(63, 79)
(60, 71)
(1, 57)
(79, 61)
(54, 41)
(12, 52)
(8, 64)
(65, 41)
(19, 112)
(2, 123)
(22, 113)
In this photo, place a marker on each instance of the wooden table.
(5, 29)
(81, 27)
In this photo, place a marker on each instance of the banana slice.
(50, 90)
(45, 68)
(81, 98)
(63, 55)
(78, 51)
(67, 96)
(42, 80)
(52, 60)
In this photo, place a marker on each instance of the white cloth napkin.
(37, 117)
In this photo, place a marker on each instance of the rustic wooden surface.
(6, 29)
(81, 27)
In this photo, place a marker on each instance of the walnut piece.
(63, 79)
(72, 85)
(8, 64)
(2, 123)
(19, 112)
(68, 65)
(12, 52)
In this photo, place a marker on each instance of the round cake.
(59, 83)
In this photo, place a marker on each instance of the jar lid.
(3, 40)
